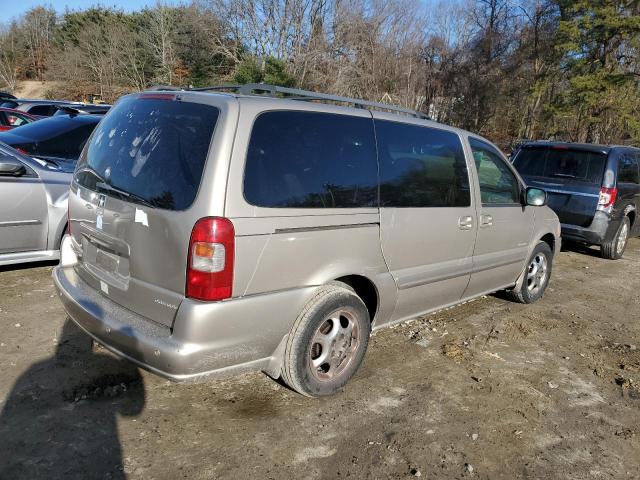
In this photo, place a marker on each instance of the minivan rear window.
(153, 149)
(561, 163)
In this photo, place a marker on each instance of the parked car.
(6, 96)
(56, 137)
(10, 118)
(218, 233)
(37, 108)
(594, 189)
(33, 206)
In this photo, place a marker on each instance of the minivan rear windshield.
(561, 163)
(152, 149)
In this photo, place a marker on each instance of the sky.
(10, 9)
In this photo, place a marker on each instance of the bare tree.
(9, 56)
(37, 26)
(159, 37)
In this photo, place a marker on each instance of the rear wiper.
(131, 196)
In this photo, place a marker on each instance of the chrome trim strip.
(495, 265)
(324, 227)
(571, 192)
(20, 223)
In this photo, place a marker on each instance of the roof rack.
(260, 89)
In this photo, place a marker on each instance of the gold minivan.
(222, 230)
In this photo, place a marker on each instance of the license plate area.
(108, 262)
(104, 264)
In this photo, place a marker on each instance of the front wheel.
(614, 248)
(537, 276)
(327, 342)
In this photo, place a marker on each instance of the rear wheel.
(614, 249)
(537, 276)
(327, 342)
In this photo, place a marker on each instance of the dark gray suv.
(594, 189)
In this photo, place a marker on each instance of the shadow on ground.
(60, 418)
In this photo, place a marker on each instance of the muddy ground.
(489, 389)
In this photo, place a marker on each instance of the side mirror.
(536, 197)
(11, 167)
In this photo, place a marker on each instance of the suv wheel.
(537, 276)
(614, 249)
(327, 342)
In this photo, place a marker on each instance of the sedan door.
(505, 225)
(23, 211)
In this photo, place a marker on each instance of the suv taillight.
(607, 198)
(210, 260)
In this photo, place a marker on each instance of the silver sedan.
(33, 206)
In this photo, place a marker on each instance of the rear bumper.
(602, 228)
(207, 340)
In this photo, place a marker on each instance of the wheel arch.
(366, 290)
(550, 240)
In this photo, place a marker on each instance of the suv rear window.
(561, 163)
(153, 149)
(311, 160)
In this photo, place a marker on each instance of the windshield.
(154, 150)
(561, 163)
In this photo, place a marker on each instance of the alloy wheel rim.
(334, 345)
(537, 273)
(622, 238)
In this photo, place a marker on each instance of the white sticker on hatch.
(141, 217)
(104, 287)
(99, 222)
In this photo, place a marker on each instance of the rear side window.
(498, 184)
(561, 163)
(17, 119)
(150, 148)
(311, 160)
(41, 110)
(628, 169)
(421, 167)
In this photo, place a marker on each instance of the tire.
(536, 281)
(614, 249)
(334, 326)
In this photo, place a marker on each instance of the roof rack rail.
(260, 89)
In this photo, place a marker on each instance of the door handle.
(465, 223)
(486, 220)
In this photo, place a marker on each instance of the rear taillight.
(22, 151)
(607, 198)
(210, 260)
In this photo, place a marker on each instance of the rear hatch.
(133, 184)
(571, 176)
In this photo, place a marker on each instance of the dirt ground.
(489, 389)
